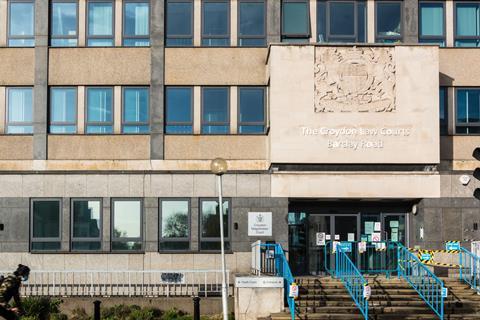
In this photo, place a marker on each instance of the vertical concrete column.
(273, 21)
(106, 220)
(197, 23)
(234, 23)
(2, 110)
(371, 21)
(65, 243)
(81, 109)
(117, 109)
(233, 109)
(313, 20)
(151, 224)
(410, 21)
(3, 23)
(197, 110)
(118, 23)
(157, 79)
(82, 15)
(449, 27)
(40, 89)
(451, 110)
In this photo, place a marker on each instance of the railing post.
(460, 263)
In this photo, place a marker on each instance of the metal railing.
(145, 283)
(422, 280)
(375, 258)
(270, 259)
(352, 279)
(469, 268)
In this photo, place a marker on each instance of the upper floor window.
(45, 224)
(179, 23)
(215, 23)
(127, 221)
(215, 110)
(443, 111)
(86, 225)
(251, 23)
(432, 23)
(64, 23)
(19, 111)
(251, 110)
(468, 111)
(210, 224)
(174, 224)
(21, 23)
(467, 24)
(388, 22)
(100, 23)
(136, 23)
(178, 110)
(63, 110)
(99, 110)
(135, 110)
(341, 21)
(295, 21)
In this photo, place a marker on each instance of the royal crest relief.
(354, 79)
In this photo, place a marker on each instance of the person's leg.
(7, 314)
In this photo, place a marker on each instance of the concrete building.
(350, 118)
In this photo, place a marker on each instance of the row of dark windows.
(126, 224)
(337, 21)
(215, 110)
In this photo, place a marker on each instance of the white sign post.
(320, 238)
(259, 224)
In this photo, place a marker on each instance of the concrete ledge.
(360, 185)
(96, 147)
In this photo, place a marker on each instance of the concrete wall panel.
(209, 147)
(97, 147)
(459, 67)
(99, 66)
(215, 66)
(16, 147)
(17, 67)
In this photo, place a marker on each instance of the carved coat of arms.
(354, 79)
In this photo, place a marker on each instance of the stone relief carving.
(354, 79)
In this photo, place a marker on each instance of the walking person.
(10, 288)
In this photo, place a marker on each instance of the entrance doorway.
(346, 222)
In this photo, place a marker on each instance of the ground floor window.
(86, 225)
(174, 224)
(127, 221)
(45, 224)
(210, 224)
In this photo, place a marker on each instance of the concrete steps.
(392, 299)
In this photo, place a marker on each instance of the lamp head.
(219, 166)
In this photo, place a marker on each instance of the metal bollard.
(196, 308)
(96, 309)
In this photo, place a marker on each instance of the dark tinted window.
(45, 224)
(215, 23)
(215, 110)
(443, 111)
(295, 21)
(467, 28)
(468, 111)
(175, 224)
(178, 110)
(252, 23)
(210, 224)
(431, 23)
(388, 21)
(179, 23)
(86, 224)
(136, 29)
(251, 110)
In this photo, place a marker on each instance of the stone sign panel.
(365, 104)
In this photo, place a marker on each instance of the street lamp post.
(219, 167)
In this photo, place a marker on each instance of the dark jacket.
(10, 288)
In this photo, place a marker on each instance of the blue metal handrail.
(281, 268)
(469, 268)
(352, 279)
(377, 258)
(427, 285)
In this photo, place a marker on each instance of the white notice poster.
(351, 237)
(320, 238)
(259, 224)
(378, 226)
